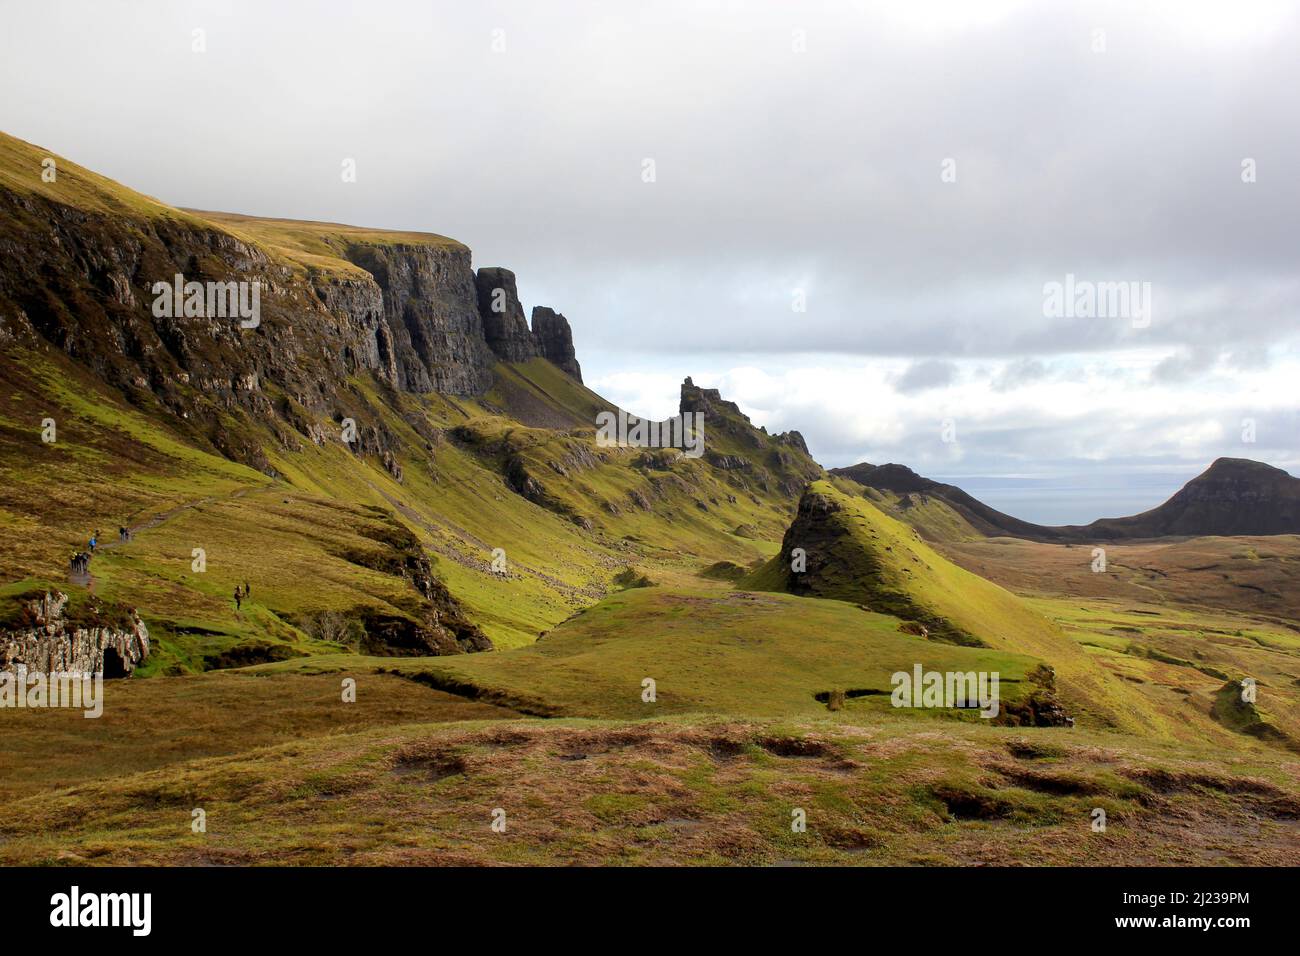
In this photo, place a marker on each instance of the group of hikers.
(79, 563)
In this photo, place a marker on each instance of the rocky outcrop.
(752, 460)
(47, 640)
(433, 624)
(838, 560)
(555, 340)
(504, 325)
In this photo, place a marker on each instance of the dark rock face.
(708, 401)
(555, 340)
(81, 282)
(434, 333)
(504, 325)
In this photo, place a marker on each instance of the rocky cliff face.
(81, 280)
(555, 340)
(46, 640)
(504, 325)
(431, 313)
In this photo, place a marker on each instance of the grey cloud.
(776, 171)
(921, 376)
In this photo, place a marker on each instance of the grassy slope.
(934, 518)
(114, 464)
(873, 553)
(709, 649)
(679, 791)
(1179, 661)
(317, 246)
(21, 171)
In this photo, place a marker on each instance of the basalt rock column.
(504, 325)
(555, 340)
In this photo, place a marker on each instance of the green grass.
(864, 556)
(681, 790)
(320, 247)
(709, 650)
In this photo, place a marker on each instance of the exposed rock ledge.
(47, 642)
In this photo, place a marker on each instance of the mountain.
(1234, 496)
(388, 455)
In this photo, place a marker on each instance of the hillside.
(855, 552)
(473, 433)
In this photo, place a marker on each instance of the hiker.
(121, 534)
(236, 597)
(91, 543)
(247, 589)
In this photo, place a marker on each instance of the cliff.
(48, 639)
(84, 257)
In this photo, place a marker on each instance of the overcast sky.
(854, 211)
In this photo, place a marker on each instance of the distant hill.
(1234, 496)
(904, 482)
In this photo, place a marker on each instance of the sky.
(899, 228)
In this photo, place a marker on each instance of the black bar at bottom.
(217, 905)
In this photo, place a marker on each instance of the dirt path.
(87, 580)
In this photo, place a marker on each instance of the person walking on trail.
(91, 543)
(247, 589)
(236, 597)
(121, 534)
